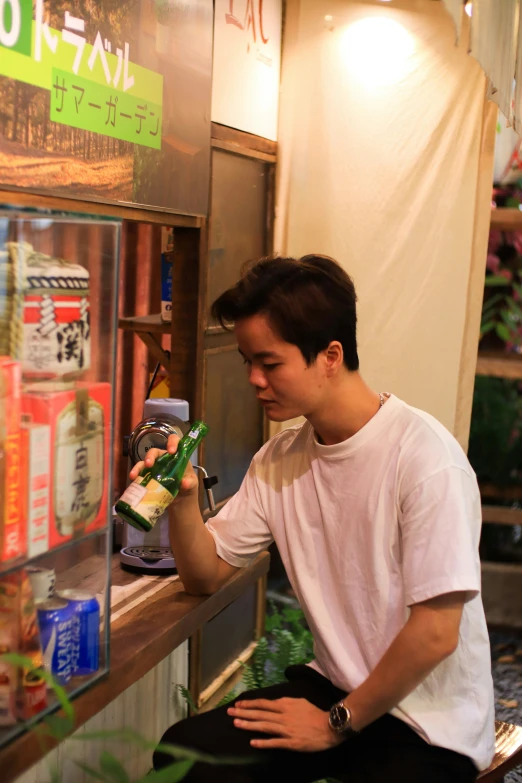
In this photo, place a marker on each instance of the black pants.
(386, 751)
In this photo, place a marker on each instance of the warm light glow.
(469, 8)
(377, 51)
(328, 18)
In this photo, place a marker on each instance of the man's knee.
(181, 734)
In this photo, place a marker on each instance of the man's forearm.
(193, 546)
(408, 661)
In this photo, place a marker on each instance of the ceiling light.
(377, 51)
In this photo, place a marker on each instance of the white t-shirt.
(365, 528)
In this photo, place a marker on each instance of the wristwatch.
(340, 719)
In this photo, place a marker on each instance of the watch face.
(339, 717)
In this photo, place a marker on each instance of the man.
(376, 514)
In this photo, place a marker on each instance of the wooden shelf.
(119, 209)
(506, 492)
(499, 365)
(506, 219)
(147, 327)
(500, 515)
(145, 323)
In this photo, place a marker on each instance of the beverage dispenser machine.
(150, 552)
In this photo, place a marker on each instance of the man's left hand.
(296, 723)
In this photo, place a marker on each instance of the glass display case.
(58, 303)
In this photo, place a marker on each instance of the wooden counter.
(141, 637)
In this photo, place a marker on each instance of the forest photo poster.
(107, 100)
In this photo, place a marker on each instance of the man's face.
(285, 385)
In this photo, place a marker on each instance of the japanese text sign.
(92, 87)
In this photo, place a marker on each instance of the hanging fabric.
(455, 8)
(384, 171)
(517, 106)
(494, 36)
(496, 43)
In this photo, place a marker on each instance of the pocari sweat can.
(85, 631)
(55, 624)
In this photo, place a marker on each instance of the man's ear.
(333, 356)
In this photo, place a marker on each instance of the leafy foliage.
(287, 641)
(502, 311)
(501, 322)
(188, 698)
(495, 444)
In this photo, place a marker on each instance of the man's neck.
(350, 405)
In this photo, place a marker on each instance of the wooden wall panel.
(227, 635)
(234, 416)
(238, 222)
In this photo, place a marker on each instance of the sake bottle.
(145, 500)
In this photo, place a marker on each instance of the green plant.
(495, 453)
(287, 641)
(502, 311)
(110, 770)
(495, 443)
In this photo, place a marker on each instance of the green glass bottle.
(145, 500)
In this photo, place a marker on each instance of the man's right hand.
(200, 568)
(189, 482)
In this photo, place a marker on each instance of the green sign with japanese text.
(82, 103)
(16, 17)
(115, 94)
(105, 78)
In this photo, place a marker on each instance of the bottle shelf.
(505, 492)
(506, 219)
(499, 365)
(147, 327)
(10, 566)
(500, 515)
(145, 323)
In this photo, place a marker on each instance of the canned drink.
(55, 623)
(85, 632)
(7, 690)
(42, 581)
(34, 695)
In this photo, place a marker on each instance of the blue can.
(85, 631)
(55, 624)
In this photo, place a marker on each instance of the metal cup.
(43, 581)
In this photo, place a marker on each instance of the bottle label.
(150, 501)
(193, 433)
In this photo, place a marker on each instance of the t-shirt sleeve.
(440, 527)
(240, 529)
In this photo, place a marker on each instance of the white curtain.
(517, 120)
(496, 42)
(379, 148)
(456, 8)
(494, 34)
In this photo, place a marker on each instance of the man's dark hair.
(308, 301)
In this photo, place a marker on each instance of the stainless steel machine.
(150, 552)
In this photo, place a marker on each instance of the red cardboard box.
(36, 451)
(79, 417)
(12, 479)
